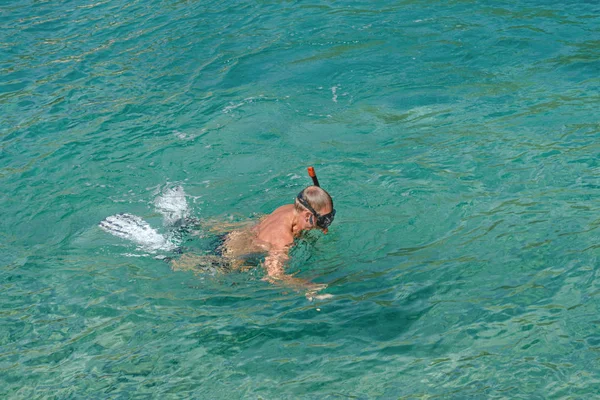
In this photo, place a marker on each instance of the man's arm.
(275, 263)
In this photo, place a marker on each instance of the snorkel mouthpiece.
(313, 175)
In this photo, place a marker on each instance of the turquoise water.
(460, 141)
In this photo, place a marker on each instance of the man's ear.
(307, 216)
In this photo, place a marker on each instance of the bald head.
(318, 199)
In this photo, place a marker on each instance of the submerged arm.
(275, 261)
(274, 264)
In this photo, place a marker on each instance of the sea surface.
(460, 141)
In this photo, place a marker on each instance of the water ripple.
(460, 144)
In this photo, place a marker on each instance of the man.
(273, 235)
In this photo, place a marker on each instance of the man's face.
(316, 219)
(324, 219)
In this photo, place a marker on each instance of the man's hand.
(314, 288)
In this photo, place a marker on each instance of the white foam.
(135, 229)
(188, 136)
(232, 106)
(334, 93)
(172, 205)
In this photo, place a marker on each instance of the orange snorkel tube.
(313, 175)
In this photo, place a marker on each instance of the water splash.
(173, 206)
(135, 229)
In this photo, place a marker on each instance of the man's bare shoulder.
(285, 209)
(282, 242)
(276, 229)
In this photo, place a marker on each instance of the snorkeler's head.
(319, 203)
